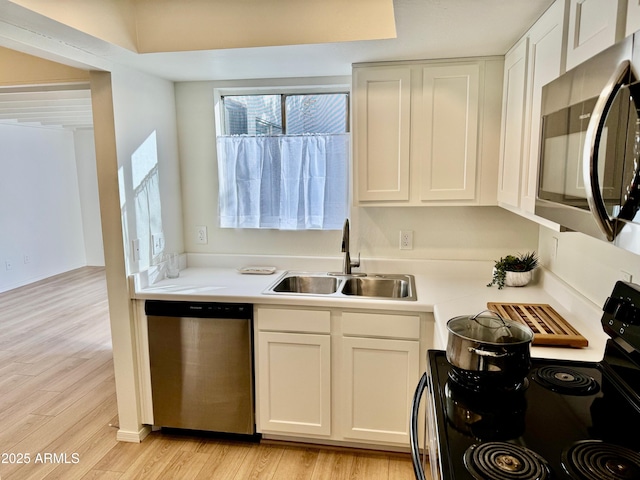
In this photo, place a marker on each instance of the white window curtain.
(287, 182)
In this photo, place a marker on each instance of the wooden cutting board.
(549, 328)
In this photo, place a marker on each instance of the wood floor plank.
(401, 468)
(124, 454)
(333, 465)
(184, 465)
(367, 467)
(150, 464)
(260, 463)
(225, 461)
(81, 387)
(297, 464)
(57, 396)
(101, 475)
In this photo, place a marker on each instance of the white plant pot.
(517, 279)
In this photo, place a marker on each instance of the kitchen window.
(283, 160)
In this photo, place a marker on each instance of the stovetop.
(539, 419)
(568, 420)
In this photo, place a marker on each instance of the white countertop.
(446, 288)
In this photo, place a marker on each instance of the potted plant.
(514, 270)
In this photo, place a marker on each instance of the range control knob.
(627, 312)
(612, 304)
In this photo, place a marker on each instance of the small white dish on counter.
(256, 270)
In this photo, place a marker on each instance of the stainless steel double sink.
(381, 286)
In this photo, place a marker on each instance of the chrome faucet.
(348, 263)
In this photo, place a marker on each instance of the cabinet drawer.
(381, 325)
(293, 320)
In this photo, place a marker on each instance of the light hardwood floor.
(58, 407)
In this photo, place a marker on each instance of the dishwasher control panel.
(170, 308)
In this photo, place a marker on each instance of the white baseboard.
(133, 437)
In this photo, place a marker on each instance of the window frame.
(283, 106)
(278, 87)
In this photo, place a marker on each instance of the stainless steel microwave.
(589, 171)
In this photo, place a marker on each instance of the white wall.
(144, 106)
(589, 265)
(439, 232)
(85, 154)
(40, 216)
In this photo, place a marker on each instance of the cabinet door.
(513, 115)
(447, 132)
(633, 17)
(545, 57)
(294, 383)
(593, 26)
(382, 102)
(379, 378)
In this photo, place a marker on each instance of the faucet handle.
(356, 263)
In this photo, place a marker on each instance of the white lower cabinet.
(339, 375)
(293, 371)
(295, 383)
(379, 378)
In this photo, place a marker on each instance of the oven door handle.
(413, 429)
(592, 145)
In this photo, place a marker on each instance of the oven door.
(425, 454)
(418, 454)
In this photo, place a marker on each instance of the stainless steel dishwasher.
(202, 365)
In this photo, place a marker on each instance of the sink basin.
(316, 285)
(388, 286)
(360, 285)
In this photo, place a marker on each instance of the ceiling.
(426, 29)
(68, 108)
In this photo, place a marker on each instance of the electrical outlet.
(135, 249)
(554, 248)
(201, 234)
(406, 239)
(26, 259)
(157, 240)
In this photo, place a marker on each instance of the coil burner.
(505, 461)
(596, 460)
(566, 381)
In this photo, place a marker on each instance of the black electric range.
(568, 419)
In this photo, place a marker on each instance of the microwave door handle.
(592, 145)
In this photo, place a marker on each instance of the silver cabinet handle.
(413, 428)
(592, 145)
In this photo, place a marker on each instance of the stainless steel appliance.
(567, 420)
(589, 176)
(202, 365)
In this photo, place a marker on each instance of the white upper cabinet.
(530, 64)
(447, 132)
(513, 116)
(545, 55)
(593, 26)
(633, 17)
(427, 133)
(382, 118)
